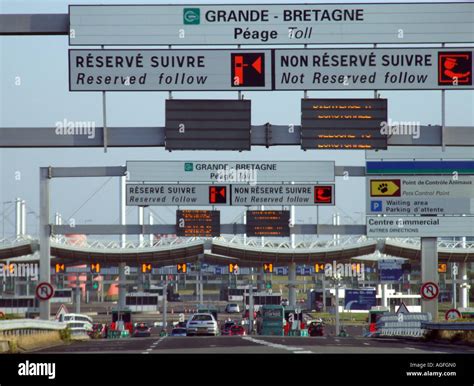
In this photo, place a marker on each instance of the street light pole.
(454, 274)
(336, 285)
(337, 278)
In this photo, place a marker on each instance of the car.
(202, 324)
(99, 331)
(225, 329)
(232, 308)
(178, 331)
(237, 330)
(141, 329)
(316, 328)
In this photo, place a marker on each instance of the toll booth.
(375, 313)
(271, 320)
(297, 321)
(122, 320)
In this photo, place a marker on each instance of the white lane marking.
(272, 345)
(145, 352)
(303, 352)
(367, 344)
(153, 345)
(410, 348)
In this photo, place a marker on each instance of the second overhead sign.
(239, 195)
(264, 70)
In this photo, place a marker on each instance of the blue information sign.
(420, 167)
(359, 299)
(390, 270)
(280, 271)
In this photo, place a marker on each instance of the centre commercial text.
(386, 221)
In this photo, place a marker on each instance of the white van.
(77, 323)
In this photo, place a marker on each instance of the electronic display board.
(344, 124)
(198, 223)
(268, 223)
(207, 124)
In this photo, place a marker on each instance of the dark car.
(99, 331)
(316, 329)
(178, 331)
(225, 329)
(141, 330)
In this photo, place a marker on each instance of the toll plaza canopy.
(223, 250)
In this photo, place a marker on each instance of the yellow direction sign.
(384, 188)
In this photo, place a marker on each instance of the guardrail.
(18, 324)
(452, 326)
(18, 327)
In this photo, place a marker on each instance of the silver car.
(232, 308)
(201, 324)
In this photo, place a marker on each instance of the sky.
(42, 98)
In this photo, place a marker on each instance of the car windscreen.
(202, 318)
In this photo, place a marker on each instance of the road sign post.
(429, 273)
(454, 275)
(44, 238)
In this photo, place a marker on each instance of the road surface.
(257, 344)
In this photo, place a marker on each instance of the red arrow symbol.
(258, 65)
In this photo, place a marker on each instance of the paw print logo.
(383, 188)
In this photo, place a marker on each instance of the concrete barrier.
(29, 334)
(4, 346)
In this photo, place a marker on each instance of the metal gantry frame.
(58, 24)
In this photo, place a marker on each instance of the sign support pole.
(336, 287)
(251, 306)
(44, 237)
(429, 272)
(104, 115)
(122, 287)
(443, 117)
(464, 297)
(165, 305)
(77, 296)
(292, 285)
(454, 276)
